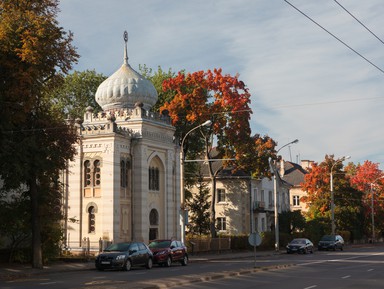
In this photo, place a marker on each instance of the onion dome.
(126, 87)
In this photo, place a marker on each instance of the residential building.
(294, 174)
(244, 204)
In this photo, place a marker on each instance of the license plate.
(105, 262)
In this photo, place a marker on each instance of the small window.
(220, 195)
(296, 200)
(221, 224)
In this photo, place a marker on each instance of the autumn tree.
(348, 215)
(368, 179)
(34, 54)
(210, 95)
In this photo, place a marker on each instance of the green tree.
(76, 93)
(36, 144)
(157, 78)
(291, 221)
(198, 205)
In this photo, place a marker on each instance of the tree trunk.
(37, 260)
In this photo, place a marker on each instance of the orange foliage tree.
(368, 178)
(347, 200)
(224, 100)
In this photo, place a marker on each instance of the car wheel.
(168, 262)
(184, 262)
(149, 263)
(127, 265)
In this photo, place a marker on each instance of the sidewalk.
(18, 271)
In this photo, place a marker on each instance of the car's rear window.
(120, 247)
(159, 244)
(328, 238)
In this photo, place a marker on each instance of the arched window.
(91, 219)
(154, 179)
(96, 173)
(154, 217)
(87, 174)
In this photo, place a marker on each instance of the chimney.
(306, 164)
(282, 167)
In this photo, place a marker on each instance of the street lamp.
(277, 245)
(183, 211)
(332, 194)
(372, 208)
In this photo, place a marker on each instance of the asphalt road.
(353, 268)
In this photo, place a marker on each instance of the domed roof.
(126, 87)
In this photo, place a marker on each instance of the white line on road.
(369, 270)
(346, 277)
(310, 287)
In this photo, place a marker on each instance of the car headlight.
(120, 257)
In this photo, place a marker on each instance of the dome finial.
(125, 48)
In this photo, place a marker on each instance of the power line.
(359, 21)
(338, 39)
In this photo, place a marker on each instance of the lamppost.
(183, 211)
(372, 208)
(277, 245)
(332, 194)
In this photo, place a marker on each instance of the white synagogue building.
(124, 183)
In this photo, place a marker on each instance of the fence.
(208, 244)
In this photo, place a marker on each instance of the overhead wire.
(361, 23)
(334, 36)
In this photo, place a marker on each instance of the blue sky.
(305, 84)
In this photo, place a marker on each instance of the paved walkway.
(19, 271)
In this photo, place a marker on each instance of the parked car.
(300, 245)
(165, 252)
(332, 242)
(124, 256)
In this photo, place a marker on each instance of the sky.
(315, 69)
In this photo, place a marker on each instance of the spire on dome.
(125, 48)
(126, 87)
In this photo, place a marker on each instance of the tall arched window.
(154, 179)
(96, 173)
(154, 222)
(91, 220)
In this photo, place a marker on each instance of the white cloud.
(305, 84)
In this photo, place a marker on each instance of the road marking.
(50, 283)
(369, 270)
(313, 286)
(346, 277)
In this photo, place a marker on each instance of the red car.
(166, 252)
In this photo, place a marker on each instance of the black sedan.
(300, 245)
(124, 256)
